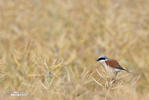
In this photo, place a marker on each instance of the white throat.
(106, 66)
(104, 63)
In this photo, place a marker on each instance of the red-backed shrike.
(111, 65)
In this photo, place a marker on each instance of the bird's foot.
(112, 81)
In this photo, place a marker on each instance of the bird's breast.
(108, 68)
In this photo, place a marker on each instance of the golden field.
(48, 49)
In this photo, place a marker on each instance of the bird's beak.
(98, 59)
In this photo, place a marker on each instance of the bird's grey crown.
(102, 56)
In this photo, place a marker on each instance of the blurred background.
(48, 48)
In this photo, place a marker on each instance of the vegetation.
(48, 49)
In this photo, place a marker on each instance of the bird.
(111, 65)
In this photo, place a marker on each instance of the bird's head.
(102, 58)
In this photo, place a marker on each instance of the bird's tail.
(124, 70)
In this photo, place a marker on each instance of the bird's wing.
(114, 64)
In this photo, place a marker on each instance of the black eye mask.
(100, 59)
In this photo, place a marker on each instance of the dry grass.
(48, 48)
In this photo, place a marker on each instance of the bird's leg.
(114, 78)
